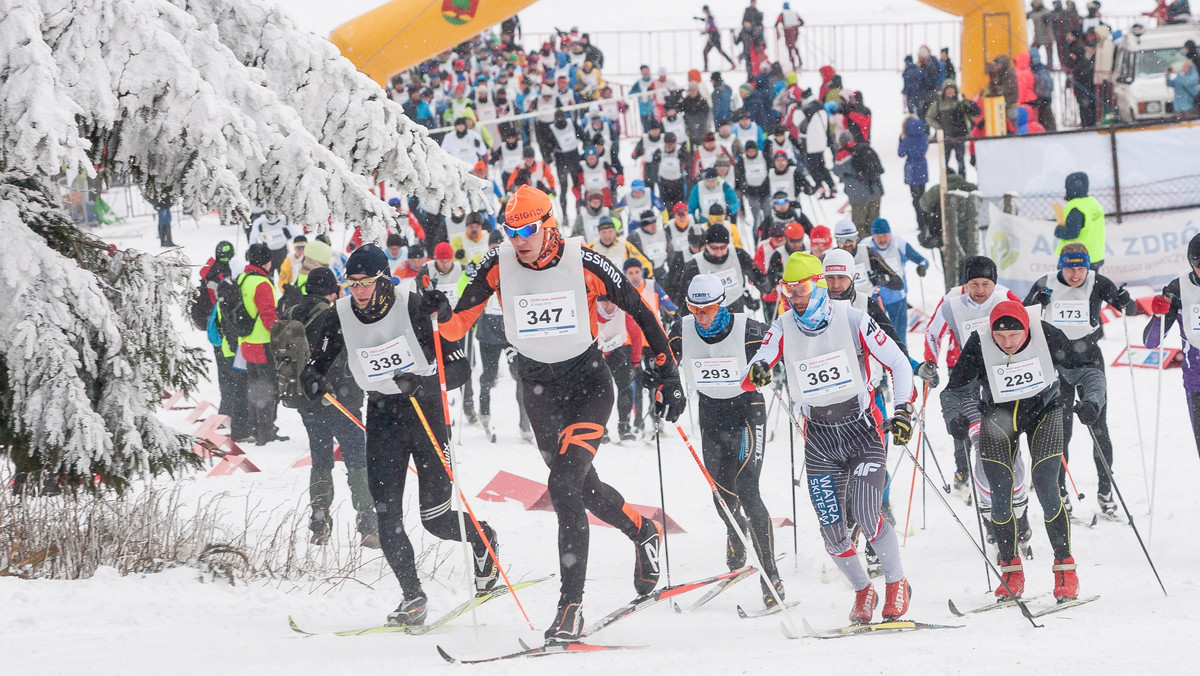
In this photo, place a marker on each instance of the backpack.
(866, 162)
(290, 352)
(236, 321)
(201, 307)
(1043, 82)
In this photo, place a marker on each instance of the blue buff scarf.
(817, 313)
(719, 324)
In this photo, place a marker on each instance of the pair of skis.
(1061, 605)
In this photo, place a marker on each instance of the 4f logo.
(865, 468)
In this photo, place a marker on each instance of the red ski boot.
(897, 595)
(1013, 576)
(865, 600)
(1066, 581)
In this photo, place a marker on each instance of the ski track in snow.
(172, 623)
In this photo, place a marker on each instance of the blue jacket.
(1187, 89)
(898, 247)
(759, 109)
(913, 147)
(722, 96)
(645, 103)
(915, 84)
(731, 202)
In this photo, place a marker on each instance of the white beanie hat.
(838, 262)
(705, 290)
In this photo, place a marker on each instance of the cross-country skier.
(1180, 302)
(826, 346)
(548, 289)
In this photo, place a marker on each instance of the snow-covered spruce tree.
(142, 89)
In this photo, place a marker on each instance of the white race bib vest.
(862, 272)
(1070, 307)
(590, 223)
(730, 274)
(1189, 296)
(714, 369)
(745, 134)
(615, 252)
(669, 166)
(546, 311)
(756, 169)
(650, 145)
(377, 351)
(1024, 374)
(565, 137)
(510, 159)
(611, 333)
(964, 319)
(825, 369)
(710, 196)
(594, 177)
(654, 246)
(785, 182)
(446, 283)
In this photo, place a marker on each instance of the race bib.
(594, 180)
(669, 165)
(381, 361)
(860, 273)
(1193, 320)
(609, 343)
(730, 280)
(1021, 378)
(715, 371)
(656, 251)
(1070, 312)
(756, 173)
(827, 374)
(542, 315)
(973, 325)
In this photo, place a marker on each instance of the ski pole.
(982, 553)
(1078, 495)
(662, 497)
(1128, 515)
(423, 284)
(1137, 415)
(987, 571)
(1157, 419)
(913, 483)
(741, 535)
(795, 526)
(447, 465)
(936, 465)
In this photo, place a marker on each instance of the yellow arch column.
(990, 28)
(403, 33)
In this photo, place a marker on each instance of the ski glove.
(409, 383)
(311, 383)
(929, 373)
(669, 400)
(433, 301)
(1161, 305)
(1125, 302)
(760, 374)
(922, 269)
(901, 425)
(1088, 412)
(460, 254)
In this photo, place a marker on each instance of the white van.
(1142, 57)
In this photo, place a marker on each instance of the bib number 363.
(827, 374)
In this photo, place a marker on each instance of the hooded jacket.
(1025, 80)
(914, 144)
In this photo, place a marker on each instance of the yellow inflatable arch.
(402, 33)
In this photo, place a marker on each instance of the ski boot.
(1065, 497)
(1024, 535)
(485, 421)
(897, 596)
(321, 525)
(1013, 576)
(768, 597)
(1107, 504)
(625, 433)
(469, 412)
(486, 570)
(865, 600)
(1066, 580)
(735, 552)
(411, 612)
(367, 524)
(645, 569)
(568, 622)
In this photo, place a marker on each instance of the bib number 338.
(381, 361)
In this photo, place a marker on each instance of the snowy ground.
(172, 623)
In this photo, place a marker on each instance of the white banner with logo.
(1143, 251)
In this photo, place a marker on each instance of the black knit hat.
(716, 234)
(321, 282)
(258, 254)
(977, 267)
(367, 259)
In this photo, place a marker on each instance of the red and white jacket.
(939, 325)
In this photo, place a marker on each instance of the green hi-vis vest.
(1092, 234)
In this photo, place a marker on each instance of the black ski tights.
(999, 443)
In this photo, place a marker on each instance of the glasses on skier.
(782, 202)
(804, 286)
(705, 311)
(362, 283)
(528, 230)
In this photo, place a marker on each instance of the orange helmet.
(529, 205)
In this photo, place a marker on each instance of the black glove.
(1124, 302)
(460, 254)
(958, 427)
(760, 374)
(750, 302)
(311, 383)
(901, 425)
(433, 301)
(668, 398)
(928, 372)
(1088, 413)
(409, 383)
(922, 269)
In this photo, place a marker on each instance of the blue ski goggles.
(528, 230)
